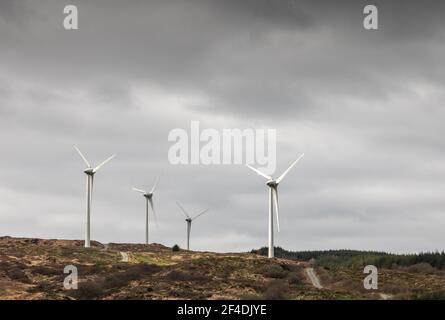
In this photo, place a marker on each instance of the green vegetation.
(335, 259)
(144, 258)
(434, 295)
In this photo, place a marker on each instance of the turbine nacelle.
(272, 183)
(89, 171)
(148, 195)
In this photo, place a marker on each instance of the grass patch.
(142, 258)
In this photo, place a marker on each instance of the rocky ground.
(33, 269)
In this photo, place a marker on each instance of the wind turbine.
(148, 199)
(273, 200)
(189, 220)
(90, 171)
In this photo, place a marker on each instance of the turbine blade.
(83, 157)
(259, 172)
(200, 214)
(154, 186)
(99, 166)
(153, 209)
(139, 190)
(288, 169)
(182, 209)
(275, 201)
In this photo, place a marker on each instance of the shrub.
(119, 279)
(393, 288)
(249, 296)
(276, 290)
(177, 275)
(423, 267)
(434, 295)
(176, 248)
(135, 272)
(295, 278)
(45, 286)
(88, 291)
(144, 269)
(273, 271)
(18, 274)
(352, 285)
(45, 271)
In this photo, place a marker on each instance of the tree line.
(356, 258)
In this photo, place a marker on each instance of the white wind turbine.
(148, 200)
(273, 200)
(90, 171)
(189, 220)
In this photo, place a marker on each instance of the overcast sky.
(366, 107)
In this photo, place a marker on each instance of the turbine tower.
(189, 220)
(273, 200)
(148, 200)
(90, 171)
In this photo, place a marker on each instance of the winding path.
(313, 277)
(124, 256)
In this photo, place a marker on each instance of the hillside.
(33, 269)
(359, 258)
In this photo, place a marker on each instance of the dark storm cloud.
(204, 46)
(13, 11)
(281, 14)
(365, 106)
